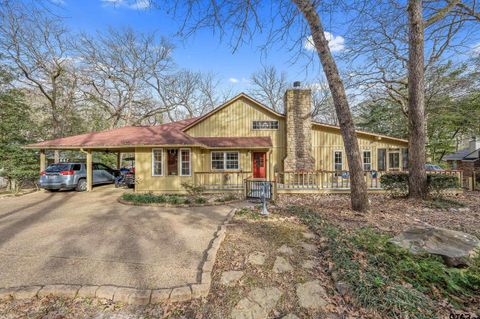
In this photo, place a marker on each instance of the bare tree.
(323, 108)
(387, 39)
(185, 93)
(285, 19)
(35, 45)
(116, 65)
(268, 86)
(417, 181)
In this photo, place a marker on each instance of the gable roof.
(175, 134)
(165, 134)
(229, 102)
(266, 108)
(464, 154)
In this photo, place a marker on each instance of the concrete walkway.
(91, 239)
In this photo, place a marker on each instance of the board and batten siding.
(236, 120)
(325, 141)
(145, 181)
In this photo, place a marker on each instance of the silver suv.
(74, 176)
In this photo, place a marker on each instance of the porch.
(297, 182)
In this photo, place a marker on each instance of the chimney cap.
(297, 84)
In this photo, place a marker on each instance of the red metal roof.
(166, 134)
(257, 141)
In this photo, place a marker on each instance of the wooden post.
(43, 161)
(89, 170)
(119, 160)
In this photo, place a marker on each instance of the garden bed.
(174, 200)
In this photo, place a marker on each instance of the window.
(185, 162)
(382, 159)
(157, 161)
(405, 158)
(338, 162)
(394, 160)
(231, 160)
(77, 167)
(265, 125)
(225, 160)
(367, 161)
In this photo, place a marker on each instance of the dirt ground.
(393, 215)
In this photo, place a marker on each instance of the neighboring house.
(240, 139)
(467, 159)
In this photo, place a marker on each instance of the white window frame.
(153, 161)
(180, 161)
(334, 166)
(224, 161)
(363, 160)
(394, 151)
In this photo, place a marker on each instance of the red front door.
(259, 165)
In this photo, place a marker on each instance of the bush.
(193, 190)
(397, 183)
(200, 200)
(439, 182)
(150, 198)
(226, 198)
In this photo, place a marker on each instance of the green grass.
(390, 279)
(150, 198)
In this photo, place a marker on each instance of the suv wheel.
(82, 185)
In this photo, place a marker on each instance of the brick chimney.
(298, 106)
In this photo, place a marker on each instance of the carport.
(88, 158)
(118, 141)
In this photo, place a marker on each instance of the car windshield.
(55, 168)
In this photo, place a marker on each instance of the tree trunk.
(359, 196)
(416, 102)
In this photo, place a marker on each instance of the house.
(466, 160)
(240, 139)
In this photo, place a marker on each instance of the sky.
(204, 51)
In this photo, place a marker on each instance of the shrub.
(226, 198)
(395, 183)
(439, 182)
(150, 198)
(193, 190)
(200, 200)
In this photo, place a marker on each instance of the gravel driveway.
(90, 238)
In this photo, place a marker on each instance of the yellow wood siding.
(236, 120)
(327, 140)
(168, 184)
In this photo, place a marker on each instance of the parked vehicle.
(432, 167)
(74, 176)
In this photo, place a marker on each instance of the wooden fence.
(293, 182)
(334, 180)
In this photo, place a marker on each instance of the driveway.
(90, 238)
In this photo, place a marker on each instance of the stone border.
(125, 202)
(129, 295)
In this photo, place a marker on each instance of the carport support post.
(43, 161)
(89, 170)
(119, 160)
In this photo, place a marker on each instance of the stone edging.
(124, 202)
(129, 295)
